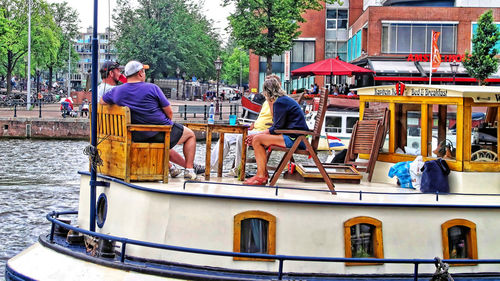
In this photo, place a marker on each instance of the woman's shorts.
(289, 142)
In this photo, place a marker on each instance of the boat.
(340, 118)
(223, 230)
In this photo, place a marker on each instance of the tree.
(482, 62)
(166, 34)
(15, 42)
(66, 19)
(236, 62)
(268, 27)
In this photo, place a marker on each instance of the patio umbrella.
(330, 67)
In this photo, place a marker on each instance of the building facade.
(391, 37)
(84, 48)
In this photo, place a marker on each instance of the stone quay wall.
(57, 128)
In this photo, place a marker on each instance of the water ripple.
(36, 177)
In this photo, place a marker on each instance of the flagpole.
(430, 59)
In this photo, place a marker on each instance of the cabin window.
(408, 134)
(484, 134)
(443, 133)
(254, 232)
(351, 121)
(459, 239)
(333, 124)
(381, 105)
(363, 239)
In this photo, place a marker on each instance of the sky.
(213, 11)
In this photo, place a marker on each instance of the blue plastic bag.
(402, 171)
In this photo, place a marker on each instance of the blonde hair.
(272, 88)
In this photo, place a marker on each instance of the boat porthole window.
(459, 240)
(363, 239)
(254, 232)
(102, 210)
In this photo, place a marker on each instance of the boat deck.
(316, 192)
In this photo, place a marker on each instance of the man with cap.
(148, 105)
(110, 75)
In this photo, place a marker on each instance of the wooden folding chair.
(311, 148)
(381, 114)
(365, 139)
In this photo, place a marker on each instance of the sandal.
(255, 180)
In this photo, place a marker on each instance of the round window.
(102, 209)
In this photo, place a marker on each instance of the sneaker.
(199, 169)
(189, 174)
(234, 172)
(174, 171)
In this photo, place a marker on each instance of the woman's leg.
(260, 142)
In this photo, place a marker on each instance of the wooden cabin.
(424, 118)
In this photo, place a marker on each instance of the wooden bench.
(125, 159)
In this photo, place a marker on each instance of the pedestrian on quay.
(148, 105)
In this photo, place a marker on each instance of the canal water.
(37, 177)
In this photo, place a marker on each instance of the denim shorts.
(289, 142)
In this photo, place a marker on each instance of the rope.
(441, 273)
(94, 156)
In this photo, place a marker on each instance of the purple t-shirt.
(146, 102)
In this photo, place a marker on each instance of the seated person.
(262, 123)
(148, 105)
(287, 114)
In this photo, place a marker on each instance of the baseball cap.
(132, 67)
(109, 65)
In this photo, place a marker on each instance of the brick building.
(391, 37)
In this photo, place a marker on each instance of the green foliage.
(66, 30)
(268, 27)
(66, 20)
(14, 45)
(482, 62)
(166, 34)
(235, 60)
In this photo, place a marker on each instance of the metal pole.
(93, 172)
(69, 68)
(217, 94)
(241, 70)
(28, 75)
(177, 89)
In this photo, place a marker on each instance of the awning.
(444, 68)
(386, 66)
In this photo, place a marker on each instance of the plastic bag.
(416, 172)
(402, 171)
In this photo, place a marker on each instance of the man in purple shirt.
(148, 105)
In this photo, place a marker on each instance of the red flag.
(436, 56)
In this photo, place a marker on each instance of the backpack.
(435, 177)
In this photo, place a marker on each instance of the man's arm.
(168, 111)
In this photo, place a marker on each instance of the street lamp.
(218, 66)
(454, 68)
(183, 85)
(177, 72)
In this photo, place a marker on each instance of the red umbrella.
(330, 67)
